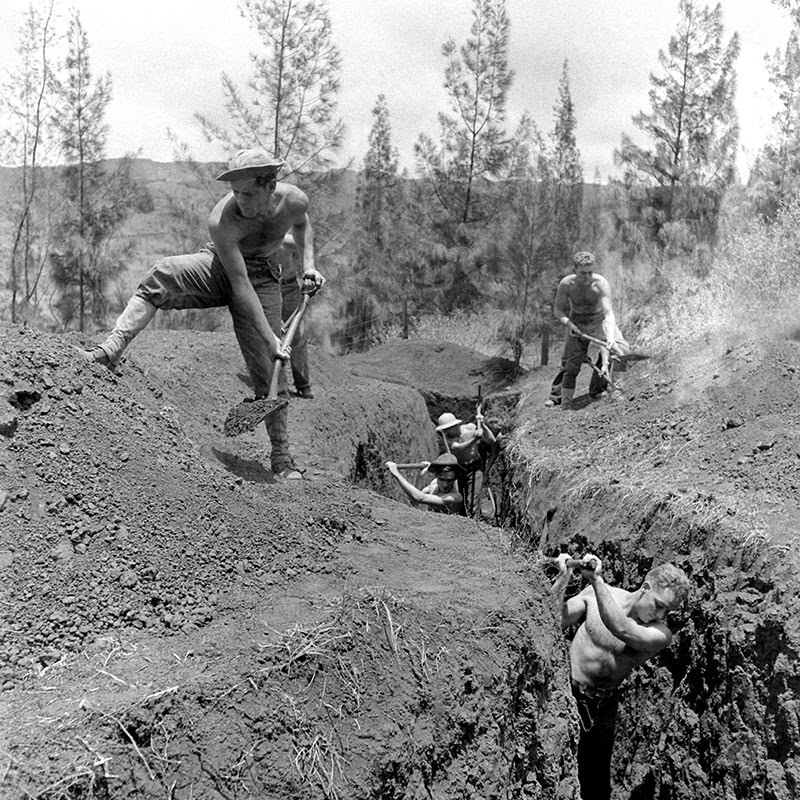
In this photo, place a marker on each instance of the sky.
(166, 58)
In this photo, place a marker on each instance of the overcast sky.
(166, 57)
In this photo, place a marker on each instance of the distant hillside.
(192, 190)
(159, 232)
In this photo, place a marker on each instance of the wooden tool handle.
(285, 342)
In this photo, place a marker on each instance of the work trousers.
(597, 714)
(291, 298)
(574, 356)
(469, 478)
(198, 280)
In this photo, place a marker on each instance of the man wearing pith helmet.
(470, 444)
(235, 269)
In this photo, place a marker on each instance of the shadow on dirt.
(246, 468)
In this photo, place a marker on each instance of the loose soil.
(178, 624)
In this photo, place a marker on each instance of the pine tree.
(675, 186)
(472, 142)
(374, 276)
(25, 102)
(566, 179)
(530, 229)
(775, 177)
(96, 200)
(288, 106)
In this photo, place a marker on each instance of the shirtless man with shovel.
(583, 306)
(235, 269)
(619, 630)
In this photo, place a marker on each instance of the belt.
(594, 691)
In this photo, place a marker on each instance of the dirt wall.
(707, 479)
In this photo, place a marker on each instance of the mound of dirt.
(175, 623)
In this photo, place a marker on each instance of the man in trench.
(583, 305)
(471, 444)
(236, 269)
(441, 493)
(619, 630)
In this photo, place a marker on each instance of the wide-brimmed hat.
(444, 461)
(447, 420)
(251, 164)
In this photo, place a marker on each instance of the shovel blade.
(630, 358)
(247, 415)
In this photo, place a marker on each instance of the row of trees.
(492, 213)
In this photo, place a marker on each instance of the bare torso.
(582, 303)
(261, 235)
(451, 499)
(597, 657)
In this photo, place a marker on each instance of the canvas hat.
(582, 258)
(447, 420)
(444, 461)
(251, 164)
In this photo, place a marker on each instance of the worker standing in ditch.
(619, 630)
(289, 260)
(236, 269)
(441, 493)
(583, 305)
(470, 444)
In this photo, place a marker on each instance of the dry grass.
(751, 284)
(479, 331)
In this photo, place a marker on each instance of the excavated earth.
(174, 623)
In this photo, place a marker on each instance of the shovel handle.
(296, 318)
(573, 563)
(418, 465)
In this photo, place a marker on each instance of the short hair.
(264, 179)
(668, 576)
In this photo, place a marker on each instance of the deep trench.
(713, 716)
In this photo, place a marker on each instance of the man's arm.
(562, 305)
(244, 297)
(417, 495)
(574, 609)
(303, 235)
(609, 320)
(645, 638)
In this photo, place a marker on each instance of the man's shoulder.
(222, 209)
(468, 431)
(292, 195)
(601, 281)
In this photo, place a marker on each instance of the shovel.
(248, 414)
(623, 358)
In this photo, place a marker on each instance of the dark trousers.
(291, 299)
(469, 478)
(597, 713)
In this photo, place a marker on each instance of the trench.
(716, 715)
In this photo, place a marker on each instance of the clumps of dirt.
(111, 517)
(176, 623)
